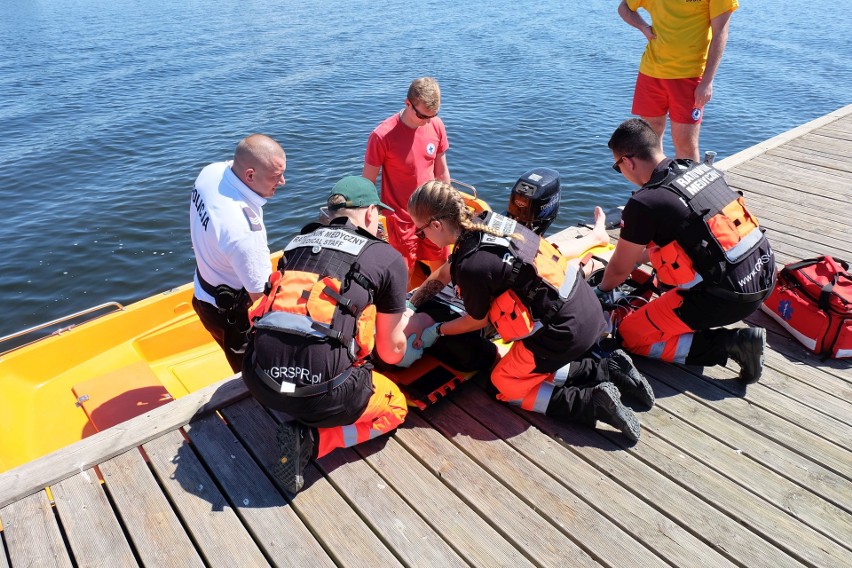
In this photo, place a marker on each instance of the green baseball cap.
(358, 192)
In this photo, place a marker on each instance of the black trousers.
(230, 335)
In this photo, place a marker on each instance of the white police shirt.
(228, 234)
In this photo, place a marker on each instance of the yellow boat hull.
(69, 385)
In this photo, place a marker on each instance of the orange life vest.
(717, 240)
(307, 296)
(536, 263)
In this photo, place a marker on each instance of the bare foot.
(599, 233)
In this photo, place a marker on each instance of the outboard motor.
(534, 201)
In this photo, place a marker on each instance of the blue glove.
(607, 299)
(429, 336)
(411, 354)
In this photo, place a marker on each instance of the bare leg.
(685, 140)
(599, 233)
(658, 123)
(573, 248)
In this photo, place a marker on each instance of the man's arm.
(442, 171)
(370, 172)
(719, 25)
(390, 337)
(635, 19)
(624, 258)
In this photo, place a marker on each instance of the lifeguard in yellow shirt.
(686, 40)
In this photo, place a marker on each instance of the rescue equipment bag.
(812, 299)
(307, 295)
(537, 266)
(716, 242)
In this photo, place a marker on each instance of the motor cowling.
(534, 201)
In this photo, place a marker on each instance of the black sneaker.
(296, 445)
(628, 379)
(745, 346)
(606, 401)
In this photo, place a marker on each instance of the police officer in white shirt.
(229, 239)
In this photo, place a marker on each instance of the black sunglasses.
(420, 232)
(419, 114)
(617, 165)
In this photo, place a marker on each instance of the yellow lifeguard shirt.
(683, 35)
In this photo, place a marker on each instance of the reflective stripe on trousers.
(385, 410)
(519, 384)
(655, 331)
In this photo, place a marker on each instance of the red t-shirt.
(406, 157)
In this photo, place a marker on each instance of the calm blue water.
(108, 110)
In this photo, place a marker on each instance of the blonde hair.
(426, 91)
(436, 199)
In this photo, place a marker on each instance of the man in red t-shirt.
(410, 148)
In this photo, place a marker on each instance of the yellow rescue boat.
(88, 377)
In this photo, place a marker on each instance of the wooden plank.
(32, 534)
(4, 562)
(91, 527)
(155, 530)
(750, 415)
(279, 532)
(506, 511)
(758, 192)
(204, 510)
(800, 195)
(670, 540)
(817, 160)
(52, 468)
(410, 536)
(793, 382)
(837, 131)
(319, 504)
(791, 499)
(841, 114)
(737, 504)
(831, 184)
(784, 344)
(796, 220)
(578, 520)
(468, 533)
(826, 427)
(799, 248)
(819, 151)
(754, 445)
(823, 144)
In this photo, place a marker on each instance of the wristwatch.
(438, 330)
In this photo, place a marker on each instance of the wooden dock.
(722, 476)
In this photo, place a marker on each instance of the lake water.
(108, 110)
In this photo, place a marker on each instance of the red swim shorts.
(675, 97)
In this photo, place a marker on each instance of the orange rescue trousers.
(385, 411)
(564, 394)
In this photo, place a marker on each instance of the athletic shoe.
(745, 346)
(606, 401)
(628, 379)
(296, 446)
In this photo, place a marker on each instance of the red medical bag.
(813, 301)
